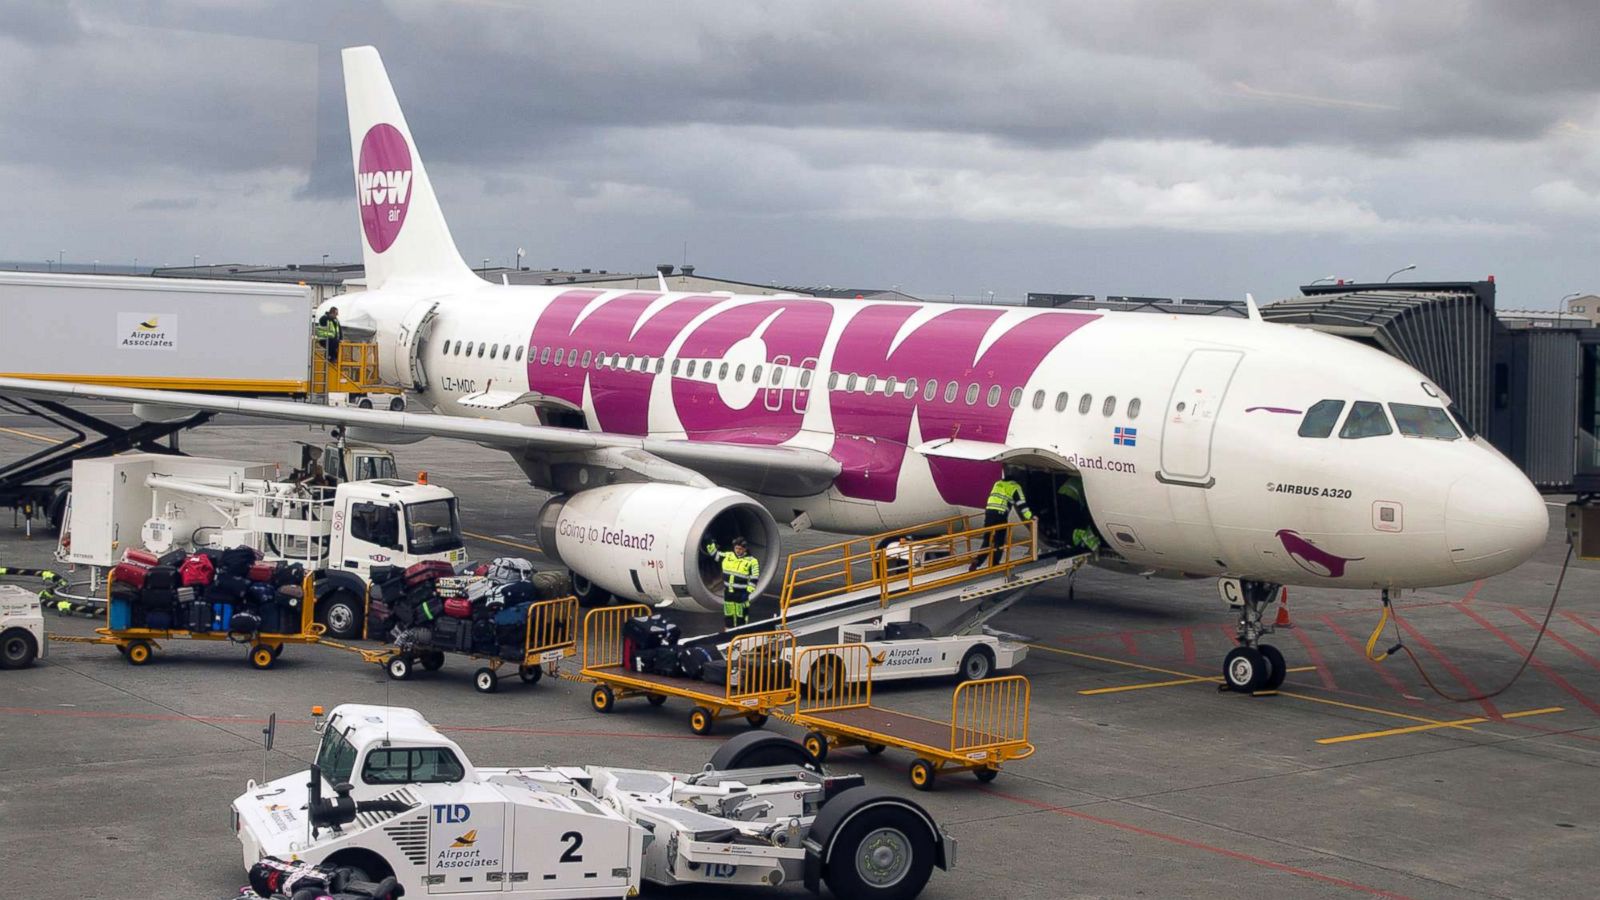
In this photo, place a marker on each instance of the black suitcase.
(157, 598)
(245, 622)
(197, 616)
(228, 588)
(715, 672)
(161, 577)
(173, 558)
(692, 660)
(286, 575)
(447, 631)
(664, 661)
(646, 632)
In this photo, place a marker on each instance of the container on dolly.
(988, 722)
(758, 679)
(549, 636)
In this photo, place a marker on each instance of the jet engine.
(646, 542)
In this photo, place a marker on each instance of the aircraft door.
(773, 396)
(1191, 417)
(802, 392)
(413, 335)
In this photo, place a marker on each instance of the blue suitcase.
(221, 616)
(121, 614)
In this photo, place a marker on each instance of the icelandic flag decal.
(1124, 437)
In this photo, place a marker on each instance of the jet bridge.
(951, 575)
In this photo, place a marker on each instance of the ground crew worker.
(1005, 496)
(740, 572)
(1077, 525)
(329, 333)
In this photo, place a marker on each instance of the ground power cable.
(1390, 614)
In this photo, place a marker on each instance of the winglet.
(1251, 309)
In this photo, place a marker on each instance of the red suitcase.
(196, 571)
(263, 572)
(130, 573)
(134, 554)
(427, 570)
(458, 607)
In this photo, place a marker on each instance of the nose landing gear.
(1252, 666)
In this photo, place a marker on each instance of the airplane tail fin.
(404, 235)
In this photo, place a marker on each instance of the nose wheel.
(1253, 666)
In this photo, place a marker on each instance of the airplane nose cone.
(1494, 521)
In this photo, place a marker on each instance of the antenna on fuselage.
(661, 279)
(1251, 310)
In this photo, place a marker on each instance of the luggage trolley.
(757, 681)
(548, 637)
(138, 644)
(988, 718)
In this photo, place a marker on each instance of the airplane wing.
(782, 471)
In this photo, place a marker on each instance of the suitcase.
(504, 569)
(447, 632)
(692, 660)
(292, 574)
(429, 609)
(516, 593)
(244, 622)
(512, 615)
(186, 595)
(221, 616)
(159, 619)
(664, 661)
(272, 618)
(458, 607)
(237, 561)
(227, 587)
(551, 585)
(715, 672)
(131, 573)
(428, 571)
(198, 616)
(163, 578)
(157, 598)
(197, 571)
(385, 573)
(121, 617)
(173, 558)
(262, 572)
(258, 595)
(139, 555)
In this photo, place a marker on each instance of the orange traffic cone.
(1283, 611)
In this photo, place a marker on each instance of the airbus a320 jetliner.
(1206, 446)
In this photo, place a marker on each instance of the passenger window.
(1109, 407)
(587, 355)
(494, 351)
(972, 394)
(889, 386)
(1133, 408)
(544, 356)
(755, 375)
(572, 357)
(420, 765)
(777, 375)
(1038, 399)
(481, 348)
(1016, 397)
(1320, 418)
(994, 395)
(705, 370)
(1423, 421)
(722, 372)
(738, 374)
(1062, 399)
(559, 357)
(520, 348)
(1366, 420)
(1085, 404)
(675, 364)
(833, 381)
(850, 383)
(805, 378)
(931, 389)
(469, 348)
(872, 384)
(950, 391)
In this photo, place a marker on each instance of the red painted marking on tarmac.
(230, 720)
(1544, 668)
(1571, 647)
(1129, 644)
(1452, 668)
(1576, 620)
(1189, 657)
(1361, 651)
(1323, 671)
(1473, 591)
(1198, 845)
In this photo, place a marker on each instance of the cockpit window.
(1461, 421)
(1424, 421)
(1320, 418)
(1366, 420)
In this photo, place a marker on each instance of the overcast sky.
(1160, 148)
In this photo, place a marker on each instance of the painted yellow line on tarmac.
(1117, 662)
(1197, 679)
(494, 540)
(1414, 729)
(30, 435)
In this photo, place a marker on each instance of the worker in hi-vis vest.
(1005, 496)
(330, 332)
(740, 572)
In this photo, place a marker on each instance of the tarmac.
(1354, 779)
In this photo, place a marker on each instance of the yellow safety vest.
(1004, 495)
(740, 574)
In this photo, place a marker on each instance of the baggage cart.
(757, 682)
(988, 722)
(549, 636)
(138, 644)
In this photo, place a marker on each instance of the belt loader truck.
(164, 503)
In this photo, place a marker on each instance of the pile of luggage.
(299, 880)
(484, 612)
(650, 645)
(230, 591)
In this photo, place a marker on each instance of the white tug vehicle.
(407, 802)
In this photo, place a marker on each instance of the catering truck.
(164, 503)
(389, 795)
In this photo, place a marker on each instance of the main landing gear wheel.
(603, 699)
(1277, 668)
(701, 720)
(399, 668)
(1245, 670)
(530, 674)
(139, 653)
(485, 680)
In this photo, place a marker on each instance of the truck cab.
(21, 627)
(343, 461)
(389, 522)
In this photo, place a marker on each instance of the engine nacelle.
(646, 542)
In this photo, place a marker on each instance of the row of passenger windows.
(871, 384)
(1367, 419)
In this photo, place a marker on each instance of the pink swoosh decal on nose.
(1312, 558)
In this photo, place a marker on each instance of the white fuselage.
(1213, 478)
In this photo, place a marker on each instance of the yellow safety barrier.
(602, 635)
(758, 669)
(950, 550)
(551, 624)
(823, 682)
(991, 715)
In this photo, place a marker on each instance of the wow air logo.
(383, 185)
